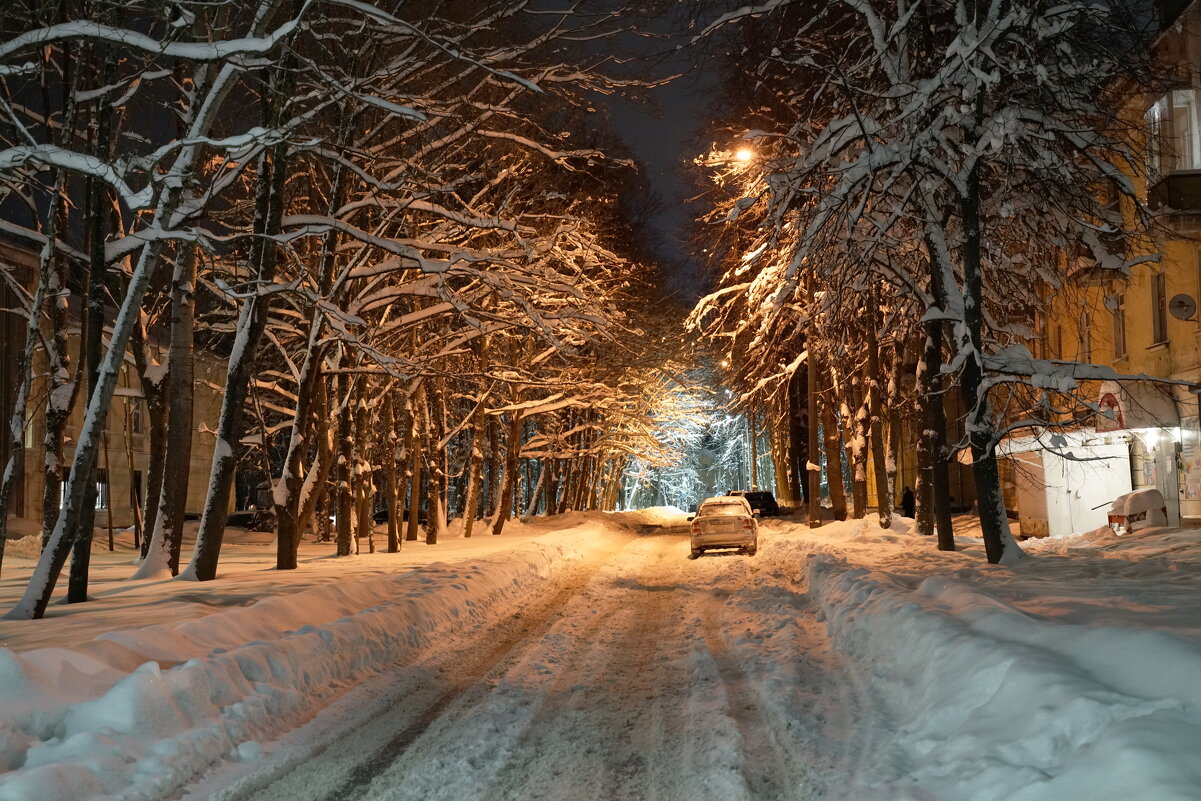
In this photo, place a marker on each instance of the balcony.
(1177, 198)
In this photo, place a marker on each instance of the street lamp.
(744, 154)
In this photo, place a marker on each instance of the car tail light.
(696, 527)
(748, 523)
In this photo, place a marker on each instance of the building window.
(1198, 295)
(135, 416)
(101, 489)
(1155, 141)
(1159, 308)
(1117, 309)
(1174, 133)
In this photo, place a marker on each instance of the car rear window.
(723, 509)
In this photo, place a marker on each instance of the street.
(629, 682)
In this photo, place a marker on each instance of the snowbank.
(992, 695)
(138, 713)
(664, 516)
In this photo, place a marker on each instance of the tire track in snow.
(581, 713)
(630, 680)
(617, 698)
(769, 769)
(334, 755)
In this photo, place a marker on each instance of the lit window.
(101, 489)
(1174, 133)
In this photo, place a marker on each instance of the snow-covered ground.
(588, 657)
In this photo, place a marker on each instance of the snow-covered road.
(625, 683)
(587, 657)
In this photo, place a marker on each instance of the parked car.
(763, 503)
(725, 522)
(253, 520)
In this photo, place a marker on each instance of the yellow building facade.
(1146, 323)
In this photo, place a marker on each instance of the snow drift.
(990, 703)
(136, 714)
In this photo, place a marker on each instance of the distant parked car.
(725, 522)
(1137, 510)
(253, 520)
(763, 503)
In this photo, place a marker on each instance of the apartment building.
(125, 445)
(1144, 324)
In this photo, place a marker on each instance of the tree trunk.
(344, 497)
(892, 456)
(535, 495)
(494, 466)
(999, 544)
(135, 501)
(435, 427)
(364, 486)
(859, 453)
(97, 227)
(753, 441)
(876, 401)
(833, 446)
(779, 455)
(294, 488)
(391, 475)
(550, 490)
(812, 467)
(296, 501)
(416, 458)
(934, 493)
(797, 437)
(152, 379)
(61, 396)
(167, 535)
(504, 506)
(473, 468)
(252, 321)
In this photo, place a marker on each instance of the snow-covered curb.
(75, 724)
(989, 703)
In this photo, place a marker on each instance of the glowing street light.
(744, 154)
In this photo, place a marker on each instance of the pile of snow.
(664, 516)
(138, 713)
(1044, 682)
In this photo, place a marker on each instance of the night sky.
(668, 130)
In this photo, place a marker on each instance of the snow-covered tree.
(949, 150)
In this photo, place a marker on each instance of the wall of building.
(125, 446)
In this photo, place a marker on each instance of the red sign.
(1112, 419)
